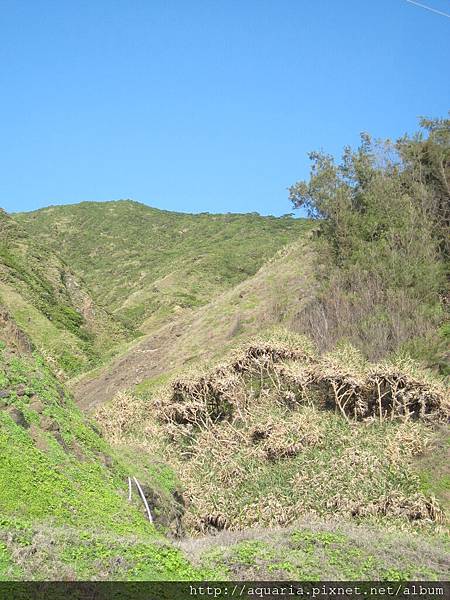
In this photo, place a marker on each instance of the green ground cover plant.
(64, 506)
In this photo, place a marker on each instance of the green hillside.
(270, 298)
(147, 264)
(53, 305)
(63, 503)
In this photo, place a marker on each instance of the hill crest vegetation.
(40, 291)
(148, 265)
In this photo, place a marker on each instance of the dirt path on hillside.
(143, 361)
(270, 297)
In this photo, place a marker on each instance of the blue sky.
(204, 105)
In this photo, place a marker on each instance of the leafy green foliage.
(63, 499)
(56, 482)
(383, 214)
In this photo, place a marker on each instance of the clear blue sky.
(204, 105)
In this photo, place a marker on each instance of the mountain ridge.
(146, 264)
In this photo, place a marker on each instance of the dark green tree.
(383, 215)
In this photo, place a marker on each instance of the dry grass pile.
(414, 508)
(268, 472)
(205, 397)
(274, 438)
(120, 417)
(339, 380)
(254, 442)
(224, 466)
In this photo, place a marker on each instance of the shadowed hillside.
(52, 304)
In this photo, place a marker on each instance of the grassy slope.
(147, 264)
(270, 297)
(49, 540)
(63, 501)
(317, 549)
(52, 305)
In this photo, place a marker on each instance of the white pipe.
(144, 499)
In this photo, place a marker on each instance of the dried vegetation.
(277, 431)
(339, 380)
